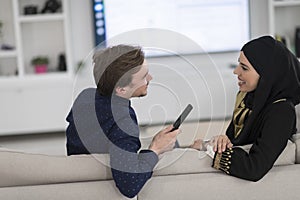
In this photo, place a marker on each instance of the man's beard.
(142, 95)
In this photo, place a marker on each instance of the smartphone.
(182, 117)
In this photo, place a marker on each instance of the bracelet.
(204, 145)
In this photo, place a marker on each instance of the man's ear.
(120, 90)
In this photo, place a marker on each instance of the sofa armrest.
(189, 161)
(287, 157)
(183, 161)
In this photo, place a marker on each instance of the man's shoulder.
(88, 96)
(85, 101)
(88, 92)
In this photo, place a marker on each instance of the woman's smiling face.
(247, 75)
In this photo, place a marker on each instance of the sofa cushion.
(282, 182)
(101, 190)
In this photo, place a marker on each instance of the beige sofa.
(180, 174)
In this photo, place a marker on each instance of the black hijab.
(279, 72)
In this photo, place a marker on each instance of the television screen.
(216, 26)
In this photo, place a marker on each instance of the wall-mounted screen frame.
(216, 26)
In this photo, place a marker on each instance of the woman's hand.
(220, 143)
(197, 144)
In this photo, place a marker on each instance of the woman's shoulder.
(281, 108)
(280, 118)
(283, 103)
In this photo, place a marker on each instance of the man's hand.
(164, 140)
(220, 143)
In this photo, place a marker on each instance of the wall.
(210, 79)
(82, 28)
(206, 81)
(259, 17)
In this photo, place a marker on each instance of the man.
(103, 121)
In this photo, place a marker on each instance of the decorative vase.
(40, 69)
(62, 66)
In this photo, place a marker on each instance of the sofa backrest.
(296, 140)
(19, 168)
(298, 117)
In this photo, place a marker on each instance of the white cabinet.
(284, 17)
(34, 108)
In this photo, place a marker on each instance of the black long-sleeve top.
(272, 129)
(100, 124)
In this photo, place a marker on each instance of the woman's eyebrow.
(242, 63)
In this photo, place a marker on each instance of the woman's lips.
(241, 82)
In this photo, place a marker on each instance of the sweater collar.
(113, 99)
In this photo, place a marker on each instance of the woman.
(264, 115)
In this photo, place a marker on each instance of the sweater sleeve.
(130, 169)
(278, 125)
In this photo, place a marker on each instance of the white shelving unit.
(30, 37)
(32, 102)
(284, 3)
(8, 58)
(284, 17)
(41, 18)
(8, 54)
